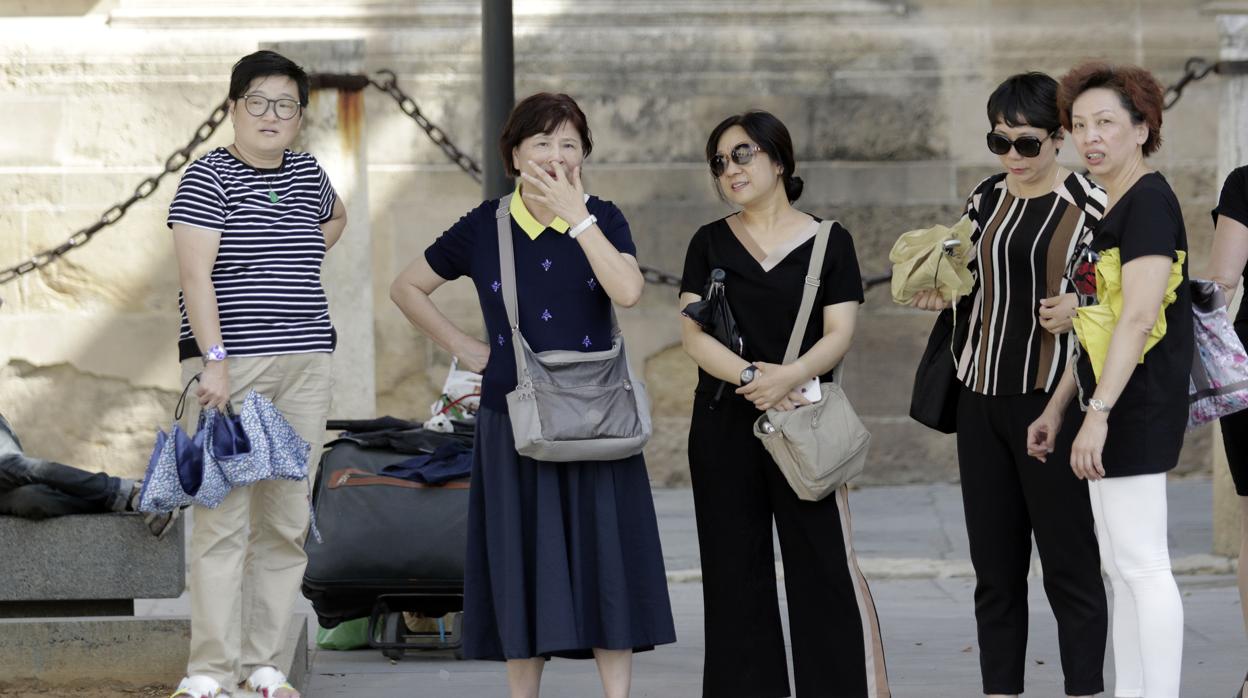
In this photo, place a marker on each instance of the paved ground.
(912, 544)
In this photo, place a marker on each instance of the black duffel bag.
(383, 535)
(934, 397)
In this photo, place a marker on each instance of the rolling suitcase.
(388, 544)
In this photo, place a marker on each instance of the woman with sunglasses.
(1013, 348)
(765, 251)
(1136, 404)
(251, 225)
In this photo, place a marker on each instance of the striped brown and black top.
(1022, 253)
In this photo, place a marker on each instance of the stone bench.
(86, 565)
(67, 591)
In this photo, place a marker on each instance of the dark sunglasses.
(1027, 146)
(742, 154)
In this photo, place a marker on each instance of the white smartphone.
(810, 390)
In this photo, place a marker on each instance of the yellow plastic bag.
(921, 261)
(1094, 324)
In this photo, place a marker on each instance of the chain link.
(1195, 69)
(390, 85)
(145, 189)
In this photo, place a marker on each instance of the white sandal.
(267, 681)
(198, 687)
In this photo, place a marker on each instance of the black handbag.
(934, 399)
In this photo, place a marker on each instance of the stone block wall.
(884, 100)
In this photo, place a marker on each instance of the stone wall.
(884, 99)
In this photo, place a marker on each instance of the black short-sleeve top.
(1147, 421)
(561, 305)
(1022, 249)
(1233, 203)
(765, 296)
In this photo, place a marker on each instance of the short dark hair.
(1026, 99)
(541, 113)
(263, 64)
(771, 136)
(1138, 91)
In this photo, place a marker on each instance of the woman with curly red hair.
(1135, 408)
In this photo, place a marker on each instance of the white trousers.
(1130, 514)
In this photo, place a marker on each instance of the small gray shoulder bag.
(818, 447)
(570, 405)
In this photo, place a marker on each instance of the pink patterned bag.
(1219, 380)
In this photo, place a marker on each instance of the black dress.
(738, 490)
(1147, 422)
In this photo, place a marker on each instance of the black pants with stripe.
(738, 490)
(1009, 496)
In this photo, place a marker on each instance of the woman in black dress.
(563, 558)
(1228, 264)
(1135, 410)
(765, 251)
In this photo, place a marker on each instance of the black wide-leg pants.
(738, 491)
(1008, 496)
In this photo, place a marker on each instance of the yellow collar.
(529, 224)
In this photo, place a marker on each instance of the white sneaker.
(199, 687)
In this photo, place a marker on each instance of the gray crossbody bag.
(818, 447)
(570, 405)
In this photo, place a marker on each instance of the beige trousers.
(247, 556)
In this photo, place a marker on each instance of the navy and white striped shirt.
(267, 275)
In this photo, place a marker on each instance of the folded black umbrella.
(714, 316)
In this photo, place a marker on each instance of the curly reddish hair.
(1139, 92)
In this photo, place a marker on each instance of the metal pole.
(498, 91)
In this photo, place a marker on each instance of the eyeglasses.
(258, 106)
(1027, 146)
(742, 154)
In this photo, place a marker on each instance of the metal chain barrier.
(390, 85)
(146, 188)
(1195, 70)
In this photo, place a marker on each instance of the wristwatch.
(1098, 405)
(215, 352)
(747, 374)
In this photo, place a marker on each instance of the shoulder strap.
(811, 285)
(507, 276)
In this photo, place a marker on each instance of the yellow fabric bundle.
(1094, 324)
(920, 262)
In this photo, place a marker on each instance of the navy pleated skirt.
(562, 557)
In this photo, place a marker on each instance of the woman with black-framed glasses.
(252, 223)
(764, 251)
(1012, 345)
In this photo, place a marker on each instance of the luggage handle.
(354, 477)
